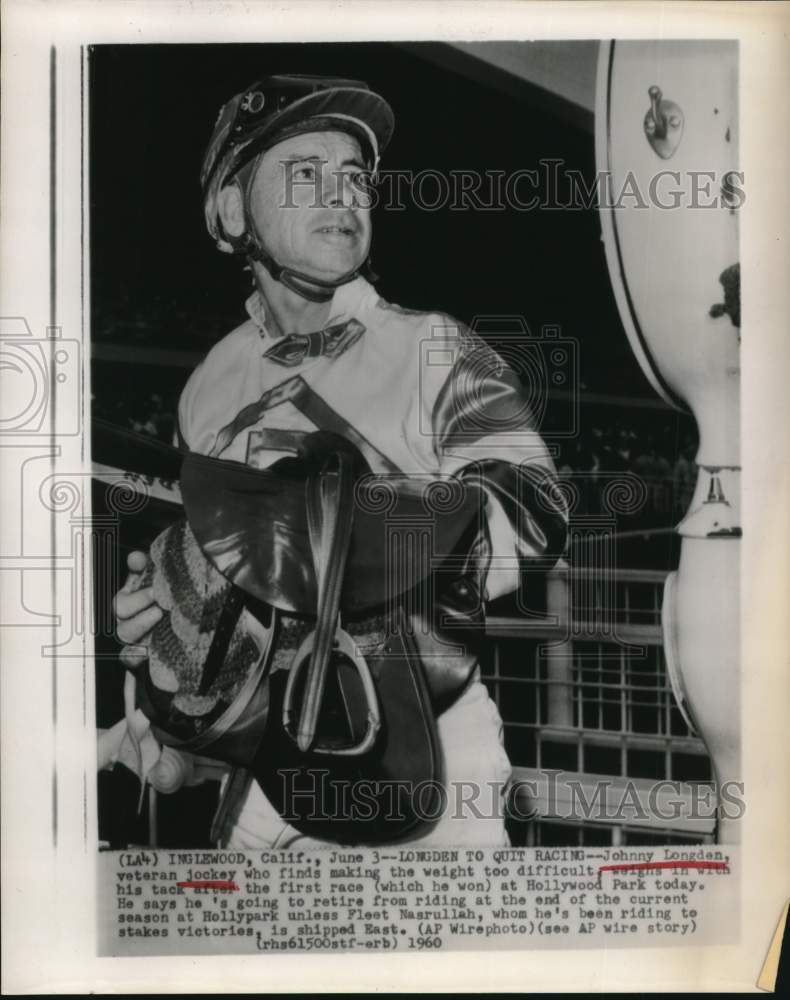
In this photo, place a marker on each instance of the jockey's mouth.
(345, 228)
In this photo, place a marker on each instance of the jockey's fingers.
(135, 629)
(127, 605)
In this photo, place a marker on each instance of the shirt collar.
(347, 301)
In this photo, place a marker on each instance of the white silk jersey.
(416, 392)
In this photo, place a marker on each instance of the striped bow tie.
(331, 342)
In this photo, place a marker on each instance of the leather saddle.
(320, 618)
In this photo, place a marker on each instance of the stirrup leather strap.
(330, 510)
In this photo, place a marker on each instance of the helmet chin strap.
(313, 289)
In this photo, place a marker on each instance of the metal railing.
(590, 697)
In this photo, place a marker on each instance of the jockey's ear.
(230, 205)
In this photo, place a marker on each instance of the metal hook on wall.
(663, 124)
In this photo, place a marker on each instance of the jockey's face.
(310, 204)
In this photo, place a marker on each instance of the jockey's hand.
(136, 613)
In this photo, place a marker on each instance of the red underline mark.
(209, 884)
(646, 865)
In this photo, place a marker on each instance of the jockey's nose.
(340, 190)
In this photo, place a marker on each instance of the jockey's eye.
(305, 172)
